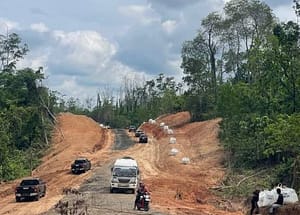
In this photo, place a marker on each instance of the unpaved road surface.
(95, 191)
(175, 188)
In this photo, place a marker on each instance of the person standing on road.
(254, 200)
(278, 203)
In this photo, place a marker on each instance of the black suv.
(80, 165)
(32, 188)
(138, 133)
(143, 138)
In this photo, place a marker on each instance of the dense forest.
(243, 65)
(25, 112)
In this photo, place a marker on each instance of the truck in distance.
(124, 175)
(32, 188)
(80, 165)
(132, 128)
(138, 133)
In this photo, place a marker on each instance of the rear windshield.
(79, 161)
(29, 182)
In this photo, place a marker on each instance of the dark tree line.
(244, 66)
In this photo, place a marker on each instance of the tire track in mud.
(95, 191)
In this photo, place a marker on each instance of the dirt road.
(175, 188)
(95, 194)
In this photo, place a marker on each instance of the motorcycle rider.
(142, 189)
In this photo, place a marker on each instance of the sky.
(87, 46)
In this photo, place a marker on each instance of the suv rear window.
(79, 161)
(29, 182)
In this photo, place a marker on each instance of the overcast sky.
(85, 46)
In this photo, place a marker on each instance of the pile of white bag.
(268, 197)
(152, 121)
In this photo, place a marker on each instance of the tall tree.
(11, 50)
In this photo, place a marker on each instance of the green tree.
(11, 50)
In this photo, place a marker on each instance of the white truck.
(124, 175)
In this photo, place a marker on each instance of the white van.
(124, 175)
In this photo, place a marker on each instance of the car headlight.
(114, 180)
(132, 181)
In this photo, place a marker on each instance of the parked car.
(132, 128)
(138, 133)
(32, 188)
(80, 165)
(143, 138)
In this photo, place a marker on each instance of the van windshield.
(124, 172)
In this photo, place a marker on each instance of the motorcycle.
(143, 202)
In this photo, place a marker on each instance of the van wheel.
(18, 199)
(112, 190)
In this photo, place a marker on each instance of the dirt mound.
(75, 136)
(178, 188)
(174, 120)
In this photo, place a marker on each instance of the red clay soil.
(75, 136)
(179, 188)
(176, 188)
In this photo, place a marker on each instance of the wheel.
(112, 190)
(37, 198)
(146, 207)
(18, 199)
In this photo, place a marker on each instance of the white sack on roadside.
(289, 194)
(267, 198)
(166, 127)
(151, 121)
(162, 124)
(172, 140)
(174, 151)
(170, 131)
(185, 160)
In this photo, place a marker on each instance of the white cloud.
(143, 14)
(81, 62)
(169, 26)
(175, 65)
(7, 25)
(34, 61)
(285, 13)
(86, 48)
(39, 27)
